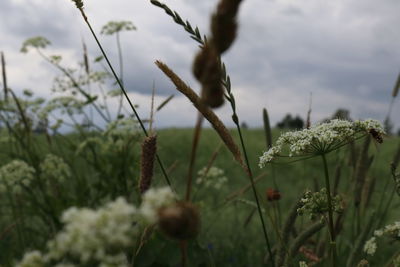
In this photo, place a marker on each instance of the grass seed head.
(149, 148)
(78, 3)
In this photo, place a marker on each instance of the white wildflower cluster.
(32, 259)
(392, 231)
(92, 235)
(213, 177)
(317, 203)
(302, 264)
(370, 246)
(15, 175)
(321, 138)
(100, 237)
(122, 127)
(54, 168)
(153, 200)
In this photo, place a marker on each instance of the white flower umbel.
(15, 175)
(153, 200)
(319, 141)
(322, 138)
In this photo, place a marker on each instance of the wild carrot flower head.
(322, 138)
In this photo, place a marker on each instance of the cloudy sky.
(345, 52)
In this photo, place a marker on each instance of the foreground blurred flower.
(322, 138)
(103, 236)
(391, 231)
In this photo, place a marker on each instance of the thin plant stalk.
(253, 187)
(121, 86)
(330, 213)
(121, 69)
(195, 144)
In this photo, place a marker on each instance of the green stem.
(124, 92)
(250, 174)
(330, 213)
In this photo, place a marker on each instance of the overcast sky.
(345, 52)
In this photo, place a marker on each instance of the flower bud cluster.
(316, 204)
(321, 138)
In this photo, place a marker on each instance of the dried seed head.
(273, 194)
(207, 70)
(149, 148)
(180, 221)
(78, 3)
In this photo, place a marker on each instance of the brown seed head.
(149, 148)
(180, 221)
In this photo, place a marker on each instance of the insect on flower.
(376, 135)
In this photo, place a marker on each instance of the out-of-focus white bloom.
(378, 233)
(302, 264)
(54, 168)
(370, 246)
(100, 236)
(32, 259)
(390, 230)
(153, 200)
(214, 177)
(91, 234)
(15, 174)
(322, 138)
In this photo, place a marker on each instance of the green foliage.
(35, 42)
(113, 27)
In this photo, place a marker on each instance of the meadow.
(117, 192)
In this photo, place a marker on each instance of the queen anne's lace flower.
(322, 138)
(14, 175)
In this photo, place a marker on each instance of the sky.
(346, 53)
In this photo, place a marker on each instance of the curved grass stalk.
(121, 86)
